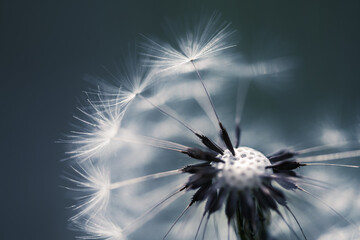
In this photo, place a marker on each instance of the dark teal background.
(47, 47)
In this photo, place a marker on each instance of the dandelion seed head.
(242, 184)
(101, 227)
(100, 123)
(109, 130)
(140, 82)
(244, 170)
(94, 184)
(131, 79)
(207, 39)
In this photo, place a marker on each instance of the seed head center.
(244, 170)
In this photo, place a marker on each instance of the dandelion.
(101, 119)
(165, 150)
(100, 123)
(95, 181)
(210, 37)
(101, 227)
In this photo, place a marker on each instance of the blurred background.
(48, 47)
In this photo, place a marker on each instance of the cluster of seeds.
(244, 170)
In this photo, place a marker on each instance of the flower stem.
(244, 228)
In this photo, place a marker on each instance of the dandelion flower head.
(157, 145)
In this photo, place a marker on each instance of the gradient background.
(47, 47)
